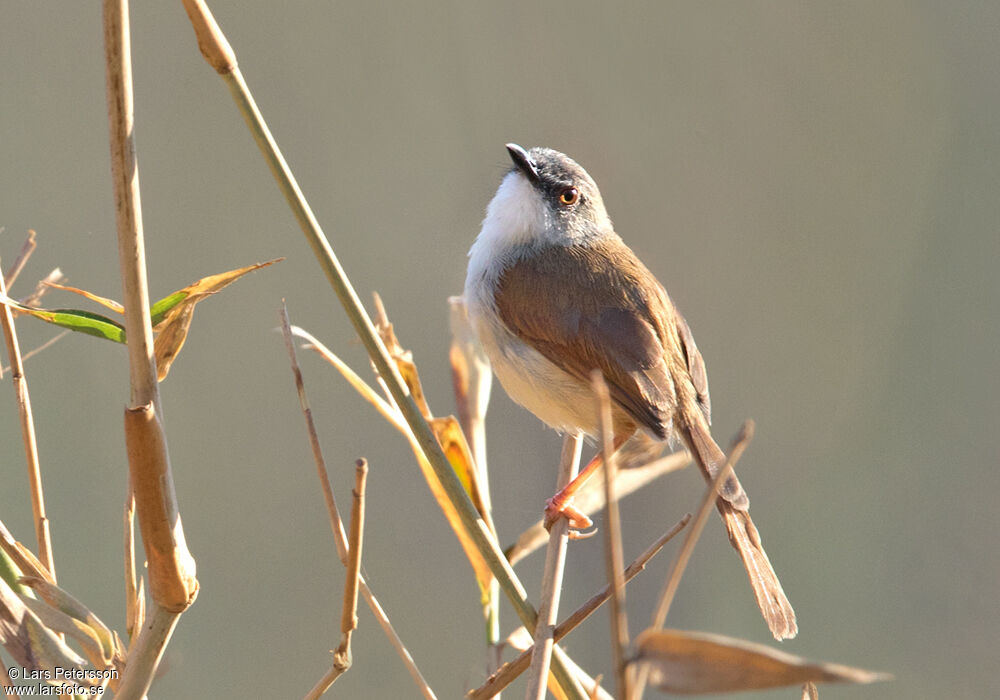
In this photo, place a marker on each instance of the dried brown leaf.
(402, 357)
(696, 663)
(452, 440)
(170, 340)
(30, 643)
(62, 601)
(103, 301)
(173, 328)
(61, 623)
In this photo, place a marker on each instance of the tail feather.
(733, 505)
(711, 459)
(767, 590)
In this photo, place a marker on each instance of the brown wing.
(583, 313)
(696, 367)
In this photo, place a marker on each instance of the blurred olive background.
(816, 185)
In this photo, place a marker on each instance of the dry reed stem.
(133, 618)
(385, 409)
(27, 248)
(680, 562)
(9, 689)
(171, 568)
(472, 379)
(613, 539)
(317, 451)
(349, 616)
(336, 525)
(211, 41)
(472, 523)
(555, 562)
(145, 653)
(23, 399)
(510, 671)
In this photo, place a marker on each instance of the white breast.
(557, 398)
(513, 221)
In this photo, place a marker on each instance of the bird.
(554, 293)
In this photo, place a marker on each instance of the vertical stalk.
(613, 541)
(555, 561)
(172, 581)
(20, 383)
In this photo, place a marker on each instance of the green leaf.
(160, 309)
(73, 319)
(85, 322)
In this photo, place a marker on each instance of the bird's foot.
(556, 508)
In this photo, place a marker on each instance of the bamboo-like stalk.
(145, 653)
(506, 675)
(173, 585)
(20, 383)
(613, 540)
(555, 562)
(220, 56)
(694, 532)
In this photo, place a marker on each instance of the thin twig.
(555, 561)
(317, 451)
(349, 616)
(41, 287)
(133, 604)
(397, 643)
(20, 383)
(385, 408)
(506, 675)
(680, 562)
(34, 351)
(22, 258)
(10, 690)
(336, 525)
(613, 540)
(171, 568)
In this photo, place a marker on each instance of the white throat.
(516, 218)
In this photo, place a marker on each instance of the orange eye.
(569, 196)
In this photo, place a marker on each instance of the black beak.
(523, 162)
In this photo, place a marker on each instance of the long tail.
(733, 505)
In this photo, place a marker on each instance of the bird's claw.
(576, 518)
